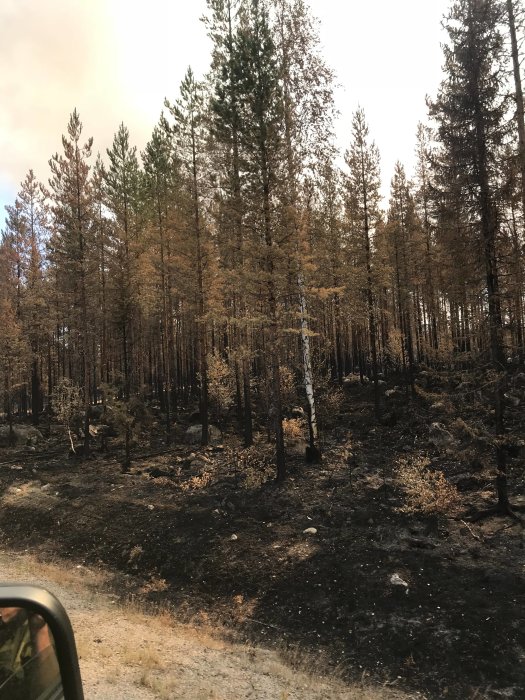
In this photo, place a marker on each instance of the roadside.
(128, 655)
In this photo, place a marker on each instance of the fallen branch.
(266, 624)
(474, 534)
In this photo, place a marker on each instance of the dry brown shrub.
(198, 482)
(221, 383)
(426, 491)
(465, 429)
(293, 428)
(156, 584)
(288, 388)
(329, 404)
(256, 464)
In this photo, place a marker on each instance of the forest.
(240, 287)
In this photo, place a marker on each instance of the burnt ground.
(190, 528)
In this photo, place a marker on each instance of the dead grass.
(142, 655)
(162, 685)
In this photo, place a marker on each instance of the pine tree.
(513, 8)
(34, 315)
(471, 113)
(71, 248)
(402, 223)
(123, 196)
(189, 132)
(223, 28)
(363, 185)
(161, 172)
(262, 150)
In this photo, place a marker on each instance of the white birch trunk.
(307, 363)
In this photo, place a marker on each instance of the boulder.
(22, 435)
(102, 431)
(193, 435)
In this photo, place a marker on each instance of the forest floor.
(385, 588)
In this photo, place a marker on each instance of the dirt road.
(127, 655)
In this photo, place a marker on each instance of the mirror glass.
(29, 668)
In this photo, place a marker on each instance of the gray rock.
(512, 400)
(193, 435)
(22, 434)
(298, 412)
(391, 392)
(464, 386)
(396, 580)
(310, 531)
(439, 436)
(519, 379)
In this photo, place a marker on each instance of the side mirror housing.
(38, 656)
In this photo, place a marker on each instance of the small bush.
(255, 463)
(221, 384)
(426, 491)
(294, 428)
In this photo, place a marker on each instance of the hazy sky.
(116, 60)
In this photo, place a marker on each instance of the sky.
(116, 61)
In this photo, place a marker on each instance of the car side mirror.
(38, 656)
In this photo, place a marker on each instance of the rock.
(102, 431)
(440, 437)
(310, 531)
(391, 392)
(298, 412)
(519, 380)
(349, 382)
(46, 487)
(396, 580)
(233, 538)
(512, 400)
(22, 435)
(193, 435)
(464, 386)
(198, 464)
